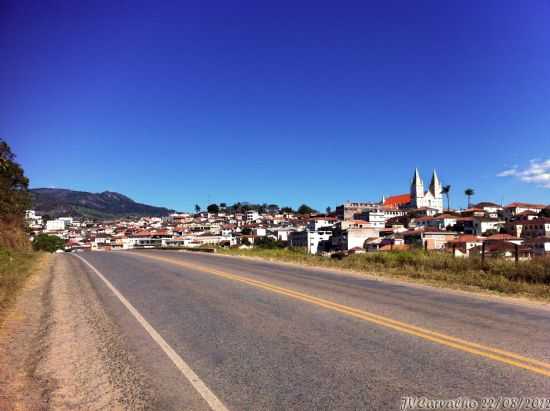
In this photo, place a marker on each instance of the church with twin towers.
(425, 202)
(432, 198)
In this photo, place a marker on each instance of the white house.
(309, 239)
(252, 215)
(282, 233)
(540, 245)
(482, 225)
(513, 209)
(56, 225)
(539, 227)
(317, 223)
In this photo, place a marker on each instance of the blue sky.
(292, 102)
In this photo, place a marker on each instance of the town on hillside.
(417, 219)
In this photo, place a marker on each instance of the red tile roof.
(446, 216)
(501, 237)
(397, 200)
(524, 205)
(467, 238)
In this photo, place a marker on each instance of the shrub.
(266, 242)
(50, 243)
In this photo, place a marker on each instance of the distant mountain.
(57, 202)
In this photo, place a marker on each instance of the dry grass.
(15, 267)
(527, 278)
(13, 235)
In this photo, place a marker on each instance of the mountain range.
(58, 202)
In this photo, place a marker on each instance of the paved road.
(268, 336)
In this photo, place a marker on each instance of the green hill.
(57, 202)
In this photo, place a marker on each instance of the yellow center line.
(533, 365)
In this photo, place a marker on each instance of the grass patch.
(15, 267)
(527, 278)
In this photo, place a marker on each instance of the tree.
(14, 194)
(213, 208)
(469, 193)
(50, 243)
(197, 208)
(445, 190)
(223, 206)
(287, 210)
(305, 209)
(266, 242)
(545, 213)
(329, 210)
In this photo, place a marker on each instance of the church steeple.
(417, 186)
(435, 185)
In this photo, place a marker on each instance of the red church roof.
(394, 201)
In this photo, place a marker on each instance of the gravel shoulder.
(62, 351)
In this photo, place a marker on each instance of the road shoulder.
(62, 349)
(21, 335)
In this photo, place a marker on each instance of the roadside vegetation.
(50, 243)
(17, 258)
(15, 267)
(526, 278)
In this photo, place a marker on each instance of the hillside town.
(416, 219)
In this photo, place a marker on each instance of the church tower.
(435, 186)
(417, 190)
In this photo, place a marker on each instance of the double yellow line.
(533, 365)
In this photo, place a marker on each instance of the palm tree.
(446, 190)
(197, 208)
(469, 193)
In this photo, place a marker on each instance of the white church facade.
(432, 198)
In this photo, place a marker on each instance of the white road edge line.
(213, 401)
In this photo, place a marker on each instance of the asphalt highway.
(215, 332)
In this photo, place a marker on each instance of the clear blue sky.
(315, 102)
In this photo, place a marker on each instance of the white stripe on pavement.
(213, 401)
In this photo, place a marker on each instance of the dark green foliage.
(305, 209)
(14, 200)
(14, 195)
(50, 243)
(213, 208)
(446, 191)
(266, 242)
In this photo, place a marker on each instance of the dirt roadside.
(59, 349)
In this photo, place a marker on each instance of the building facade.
(433, 198)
